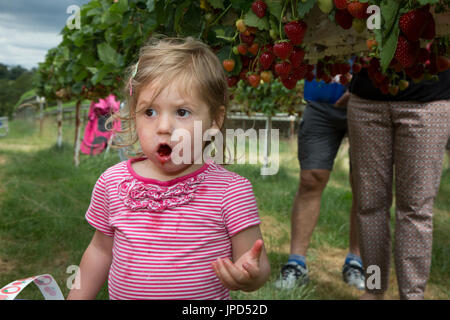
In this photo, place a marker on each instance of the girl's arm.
(94, 268)
(251, 268)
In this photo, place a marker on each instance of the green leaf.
(98, 77)
(275, 7)
(151, 5)
(241, 5)
(217, 4)
(389, 47)
(305, 7)
(252, 20)
(390, 13)
(120, 6)
(107, 54)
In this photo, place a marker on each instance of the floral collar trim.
(141, 196)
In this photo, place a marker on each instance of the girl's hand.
(245, 273)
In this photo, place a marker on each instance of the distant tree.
(14, 82)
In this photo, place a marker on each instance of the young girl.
(164, 229)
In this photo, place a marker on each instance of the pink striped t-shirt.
(167, 233)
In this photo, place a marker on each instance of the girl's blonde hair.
(164, 60)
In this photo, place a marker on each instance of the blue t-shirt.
(322, 92)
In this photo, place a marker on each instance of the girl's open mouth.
(164, 151)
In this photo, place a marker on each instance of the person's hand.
(343, 100)
(244, 274)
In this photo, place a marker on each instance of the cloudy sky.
(28, 28)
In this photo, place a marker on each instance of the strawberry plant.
(249, 37)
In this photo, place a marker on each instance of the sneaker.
(292, 275)
(353, 274)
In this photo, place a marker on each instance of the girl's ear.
(220, 117)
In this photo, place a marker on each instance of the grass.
(43, 198)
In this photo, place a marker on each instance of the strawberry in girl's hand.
(295, 31)
(344, 19)
(406, 52)
(340, 4)
(358, 9)
(259, 8)
(413, 23)
(282, 50)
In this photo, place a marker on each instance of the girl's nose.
(164, 123)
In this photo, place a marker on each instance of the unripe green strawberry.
(325, 5)
(359, 25)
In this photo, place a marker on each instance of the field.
(43, 198)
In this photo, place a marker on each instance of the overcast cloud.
(28, 28)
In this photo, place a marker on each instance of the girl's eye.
(183, 113)
(150, 112)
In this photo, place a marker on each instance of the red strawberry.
(406, 52)
(340, 4)
(344, 79)
(232, 81)
(283, 68)
(443, 63)
(242, 48)
(295, 31)
(228, 64)
(344, 19)
(393, 90)
(247, 39)
(297, 57)
(356, 67)
(300, 72)
(243, 74)
(289, 82)
(423, 55)
(266, 60)
(268, 47)
(259, 8)
(309, 76)
(429, 33)
(326, 78)
(254, 80)
(416, 71)
(344, 68)
(245, 61)
(334, 69)
(253, 49)
(413, 23)
(358, 9)
(282, 50)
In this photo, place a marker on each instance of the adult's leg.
(370, 135)
(420, 138)
(320, 136)
(353, 234)
(305, 211)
